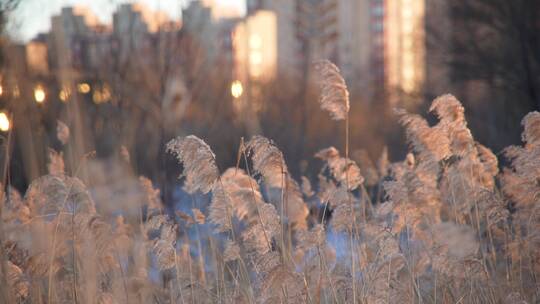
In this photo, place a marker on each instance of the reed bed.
(447, 224)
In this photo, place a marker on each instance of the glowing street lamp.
(83, 88)
(64, 94)
(39, 94)
(237, 89)
(4, 122)
(101, 95)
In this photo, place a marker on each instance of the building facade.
(404, 40)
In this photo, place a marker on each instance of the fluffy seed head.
(334, 93)
(344, 170)
(267, 160)
(426, 141)
(199, 162)
(239, 197)
(448, 108)
(531, 123)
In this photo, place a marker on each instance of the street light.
(101, 95)
(237, 89)
(4, 122)
(83, 87)
(64, 94)
(39, 94)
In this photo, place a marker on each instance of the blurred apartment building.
(220, 10)
(79, 43)
(379, 45)
(211, 26)
(78, 46)
(255, 45)
(405, 48)
(309, 30)
(79, 49)
(80, 59)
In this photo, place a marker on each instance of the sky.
(33, 16)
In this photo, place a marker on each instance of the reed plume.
(283, 191)
(200, 169)
(344, 170)
(334, 93)
(334, 98)
(520, 184)
(267, 160)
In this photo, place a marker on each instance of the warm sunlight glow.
(256, 48)
(64, 95)
(255, 42)
(237, 89)
(4, 122)
(39, 94)
(1, 90)
(96, 97)
(255, 58)
(83, 87)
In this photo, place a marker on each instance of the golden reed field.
(448, 224)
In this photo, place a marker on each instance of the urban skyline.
(25, 24)
(275, 43)
(379, 45)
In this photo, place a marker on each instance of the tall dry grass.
(445, 225)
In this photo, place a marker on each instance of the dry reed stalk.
(6, 295)
(335, 99)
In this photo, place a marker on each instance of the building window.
(378, 26)
(377, 11)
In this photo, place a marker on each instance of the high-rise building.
(196, 17)
(255, 46)
(66, 29)
(37, 56)
(255, 62)
(346, 41)
(310, 30)
(221, 10)
(377, 42)
(128, 20)
(212, 36)
(287, 41)
(130, 31)
(379, 45)
(404, 43)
